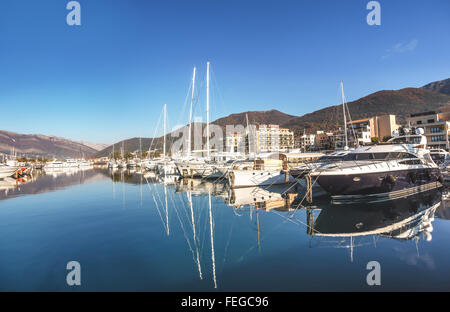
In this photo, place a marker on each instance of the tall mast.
(207, 109)
(345, 118)
(190, 113)
(248, 135)
(164, 130)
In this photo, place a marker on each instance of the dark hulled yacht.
(382, 172)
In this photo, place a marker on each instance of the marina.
(211, 150)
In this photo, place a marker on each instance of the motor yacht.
(402, 167)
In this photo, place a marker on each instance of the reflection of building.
(378, 126)
(436, 126)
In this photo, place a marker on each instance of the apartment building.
(269, 138)
(306, 142)
(368, 128)
(436, 126)
(272, 138)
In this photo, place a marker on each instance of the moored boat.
(382, 172)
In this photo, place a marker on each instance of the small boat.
(8, 170)
(131, 163)
(55, 164)
(259, 172)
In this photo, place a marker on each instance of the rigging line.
(199, 90)
(175, 207)
(216, 84)
(304, 197)
(157, 207)
(184, 104)
(350, 118)
(184, 231)
(154, 133)
(296, 221)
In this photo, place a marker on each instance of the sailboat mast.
(164, 130)
(248, 134)
(207, 109)
(190, 113)
(345, 117)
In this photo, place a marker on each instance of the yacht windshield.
(378, 156)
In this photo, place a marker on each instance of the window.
(430, 120)
(437, 138)
(435, 129)
(366, 156)
(419, 122)
(401, 155)
(411, 162)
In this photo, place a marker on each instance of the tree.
(386, 138)
(128, 155)
(375, 140)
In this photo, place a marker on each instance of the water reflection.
(208, 230)
(46, 181)
(353, 226)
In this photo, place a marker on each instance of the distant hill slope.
(398, 102)
(42, 145)
(96, 146)
(441, 86)
(255, 117)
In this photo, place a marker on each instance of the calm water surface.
(130, 232)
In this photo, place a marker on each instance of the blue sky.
(108, 79)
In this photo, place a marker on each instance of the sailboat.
(166, 166)
(264, 170)
(202, 167)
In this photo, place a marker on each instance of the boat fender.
(391, 179)
(441, 179)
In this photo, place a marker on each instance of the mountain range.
(38, 145)
(401, 103)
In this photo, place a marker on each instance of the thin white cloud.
(401, 47)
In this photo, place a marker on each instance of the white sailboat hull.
(246, 178)
(7, 171)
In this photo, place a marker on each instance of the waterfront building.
(373, 127)
(436, 126)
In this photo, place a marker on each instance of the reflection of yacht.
(272, 197)
(85, 163)
(197, 187)
(382, 172)
(400, 219)
(7, 184)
